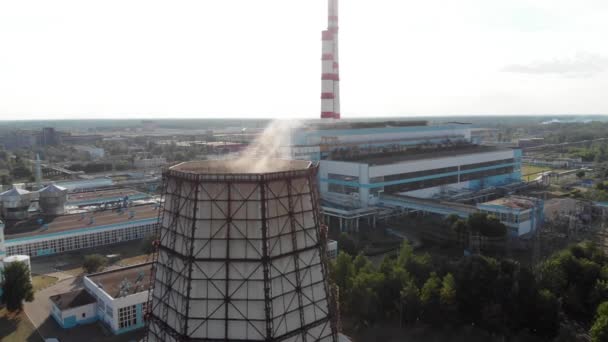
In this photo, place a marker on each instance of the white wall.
(436, 163)
(90, 310)
(114, 303)
(105, 298)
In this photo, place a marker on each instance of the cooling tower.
(241, 256)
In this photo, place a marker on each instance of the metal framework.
(241, 257)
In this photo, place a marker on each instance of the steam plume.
(273, 143)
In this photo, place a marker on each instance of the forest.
(561, 298)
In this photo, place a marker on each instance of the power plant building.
(36, 237)
(369, 167)
(241, 256)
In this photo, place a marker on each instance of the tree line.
(500, 296)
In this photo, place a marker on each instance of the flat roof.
(137, 277)
(418, 154)
(351, 124)
(520, 203)
(72, 299)
(62, 223)
(103, 195)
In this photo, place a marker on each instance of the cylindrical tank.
(15, 204)
(52, 199)
(241, 255)
(18, 258)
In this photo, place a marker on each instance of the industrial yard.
(153, 189)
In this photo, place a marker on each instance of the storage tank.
(52, 199)
(15, 203)
(241, 255)
(18, 258)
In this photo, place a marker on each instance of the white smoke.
(274, 143)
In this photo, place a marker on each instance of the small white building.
(73, 308)
(118, 299)
(332, 249)
(521, 215)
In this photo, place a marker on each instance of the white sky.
(246, 58)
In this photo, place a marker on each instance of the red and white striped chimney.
(330, 74)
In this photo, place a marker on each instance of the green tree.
(362, 264)
(430, 299)
(599, 329)
(364, 300)
(486, 225)
(475, 282)
(347, 244)
(16, 286)
(394, 278)
(418, 266)
(94, 262)
(447, 295)
(342, 272)
(410, 302)
(552, 275)
(21, 172)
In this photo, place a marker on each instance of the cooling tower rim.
(225, 170)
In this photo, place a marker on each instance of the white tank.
(52, 199)
(15, 203)
(18, 258)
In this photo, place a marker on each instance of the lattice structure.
(240, 256)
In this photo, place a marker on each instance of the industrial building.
(117, 298)
(48, 228)
(371, 169)
(40, 236)
(241, 255)
(104, 196)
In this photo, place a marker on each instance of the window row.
(81, 241)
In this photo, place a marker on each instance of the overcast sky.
(246, 58)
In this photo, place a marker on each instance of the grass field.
(42, 282)
(127, 253)
(530, 172)
(17, 328)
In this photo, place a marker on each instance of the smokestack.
(330, 76)
(38, 173)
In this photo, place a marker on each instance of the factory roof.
(102, 195)
(518, 203)
(65, 223)
(53, 188)
(348, 124)
(14, 192)
(132, 279)
(418, 154)
(72, 299)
